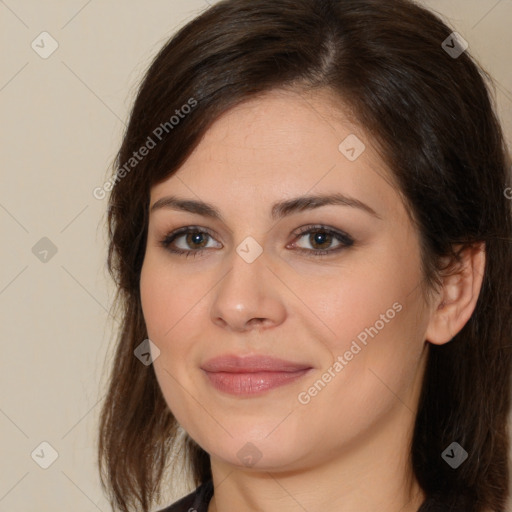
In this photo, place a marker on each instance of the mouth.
(252, 383)
(251, 375)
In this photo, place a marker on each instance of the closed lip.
(251, 364)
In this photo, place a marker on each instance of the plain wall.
(63, 118)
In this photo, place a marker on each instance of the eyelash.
(344, 239)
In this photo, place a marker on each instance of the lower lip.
(252, 383)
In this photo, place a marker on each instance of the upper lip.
(251, 364)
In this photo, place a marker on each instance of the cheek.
(373, 319)
(350, 302)
(173, 312)
(166, 313)
(381, 347)
(153, 299)
(375, 375)
(167, 297)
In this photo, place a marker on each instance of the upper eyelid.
(299, 231)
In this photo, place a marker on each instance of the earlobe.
(458, 296)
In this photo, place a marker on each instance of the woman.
(310, 235)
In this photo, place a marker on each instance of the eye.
(193, 236)
(321, 239)
(194, 240)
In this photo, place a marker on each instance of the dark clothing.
(198, 501)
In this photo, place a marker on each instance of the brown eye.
(196, 239)
(321, 239)
(191, 241)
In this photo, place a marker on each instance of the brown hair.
(434, 123)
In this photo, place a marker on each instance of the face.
(331, 287)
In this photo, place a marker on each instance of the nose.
(249, 296)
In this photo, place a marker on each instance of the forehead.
(282, 144)
(279, 127)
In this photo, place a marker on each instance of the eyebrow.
(279, 210)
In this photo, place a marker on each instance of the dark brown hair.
(434, 122)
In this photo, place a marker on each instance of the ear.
(458, 296)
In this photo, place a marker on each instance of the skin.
(347, 448)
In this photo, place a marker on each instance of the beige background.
(63, 118)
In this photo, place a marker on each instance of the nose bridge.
(247, 291)
(248, 264)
